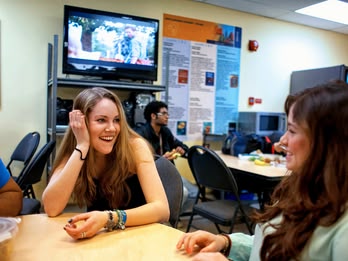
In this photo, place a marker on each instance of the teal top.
(326, 243)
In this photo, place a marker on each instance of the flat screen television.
(110, 45)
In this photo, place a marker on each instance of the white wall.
(28, 25)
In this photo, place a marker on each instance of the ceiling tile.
(281, 10)
(310, 21)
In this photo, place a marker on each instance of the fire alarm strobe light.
(253, 45)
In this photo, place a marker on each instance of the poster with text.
(201, 65)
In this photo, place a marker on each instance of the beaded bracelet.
(110, 223)
(81, 158)
(122, 218)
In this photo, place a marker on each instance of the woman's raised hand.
(78, 125)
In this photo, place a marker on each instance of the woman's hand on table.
(86, 225)
(206, 243)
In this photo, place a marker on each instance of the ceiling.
(283, 10)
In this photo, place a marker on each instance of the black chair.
(25, 150)
(172, 183)
(211, 172)
(33, 172)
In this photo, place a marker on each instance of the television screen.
(110, 45)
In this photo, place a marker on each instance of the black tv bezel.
(127, 72)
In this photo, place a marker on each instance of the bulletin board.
(201, 65)
(0, 65)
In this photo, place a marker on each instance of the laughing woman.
(105, 166)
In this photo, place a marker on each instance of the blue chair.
(25, 150)
(30, 206)
(33, 172)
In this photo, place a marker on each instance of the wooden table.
(42, 238)
(256, 179)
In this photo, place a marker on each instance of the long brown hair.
(121, 161)
(317, 194)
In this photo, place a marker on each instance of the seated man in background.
(164, 143)
(11, 197)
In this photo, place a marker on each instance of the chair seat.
(218, 211)
(30, 206)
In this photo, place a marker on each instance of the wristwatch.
(110, 223)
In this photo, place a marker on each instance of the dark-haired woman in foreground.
(308, 218)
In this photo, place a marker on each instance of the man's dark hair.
(153, 107)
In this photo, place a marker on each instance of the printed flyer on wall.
(201, 64)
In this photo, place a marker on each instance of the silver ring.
(83, 234)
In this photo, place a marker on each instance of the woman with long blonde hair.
(104, 165)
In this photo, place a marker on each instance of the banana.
(172, 154)
(260, 163)
(176, 154)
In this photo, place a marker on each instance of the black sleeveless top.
(137, 197)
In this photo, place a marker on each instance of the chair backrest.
(210, 171)
(25, 149)
(33, 172)
(30, 206)
(172, 183)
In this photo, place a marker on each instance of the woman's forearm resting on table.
(154, 212)
(58, 191)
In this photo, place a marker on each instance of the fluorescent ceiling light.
(332, 10)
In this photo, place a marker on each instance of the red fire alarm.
(253, 45)
(251, 100)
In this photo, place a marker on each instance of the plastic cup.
(8, 229)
